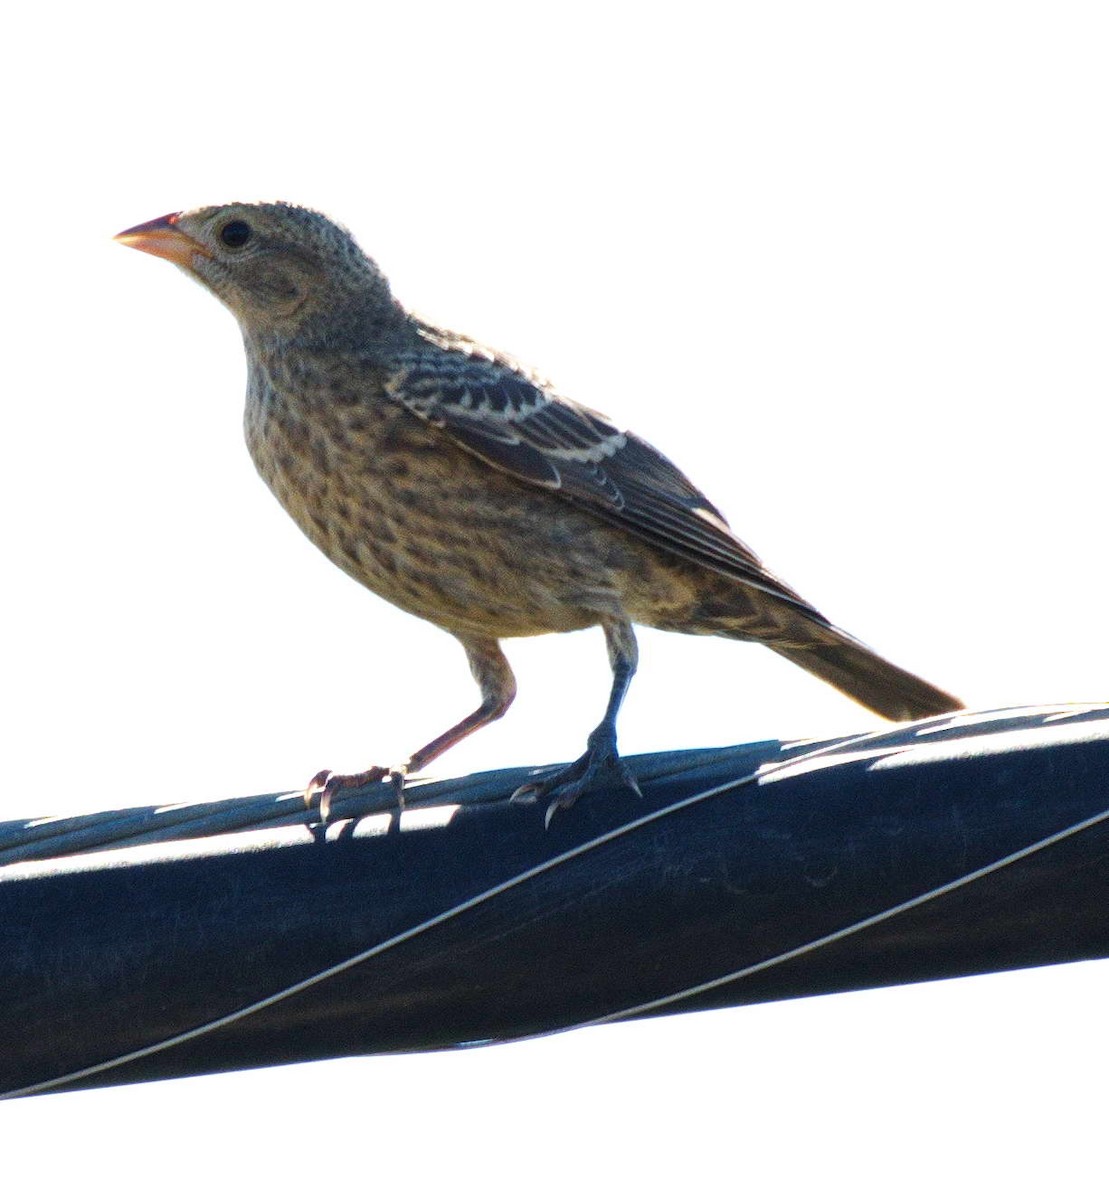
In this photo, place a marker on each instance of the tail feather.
(868, 678)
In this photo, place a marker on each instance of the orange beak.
(162, 238)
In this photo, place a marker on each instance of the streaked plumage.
(465, 489)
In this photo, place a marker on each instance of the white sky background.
(845, 263)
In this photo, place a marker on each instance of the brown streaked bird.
(463, 488)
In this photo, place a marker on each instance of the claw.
(317, 783)
(317, 792)
(600, 763)
(526, 793)
(397, 777)
(326, 785)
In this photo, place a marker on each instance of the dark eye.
(235, 234)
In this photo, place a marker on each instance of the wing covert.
(518, 424)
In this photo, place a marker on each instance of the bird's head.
(282, 270)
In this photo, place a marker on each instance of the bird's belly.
(431, 529)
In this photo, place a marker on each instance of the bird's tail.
(867, 677)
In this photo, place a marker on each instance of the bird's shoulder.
(517, 422)
(501, 410)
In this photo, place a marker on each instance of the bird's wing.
(518, 425)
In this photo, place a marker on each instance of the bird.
(461, 486)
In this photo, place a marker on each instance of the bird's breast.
(419, 520)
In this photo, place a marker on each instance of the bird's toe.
(600, 765)
(325, 785)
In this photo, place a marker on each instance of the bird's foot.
(325, 785)
(601, 763)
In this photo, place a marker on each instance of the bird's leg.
(498, 689)
(601, 759)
